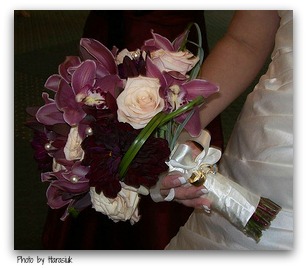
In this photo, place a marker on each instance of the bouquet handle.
(247, 211)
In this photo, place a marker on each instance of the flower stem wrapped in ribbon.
(246, 210)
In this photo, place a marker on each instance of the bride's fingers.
(172, 179)
(186, 192)
(199, 203)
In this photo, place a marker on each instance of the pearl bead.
(74, 178)
(48, 146)
(88, 131)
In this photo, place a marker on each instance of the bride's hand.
(185, 193)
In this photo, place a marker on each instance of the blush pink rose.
(180, 61)
(140, 101)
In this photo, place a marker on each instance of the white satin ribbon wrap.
(229, 198)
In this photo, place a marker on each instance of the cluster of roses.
(102, 100)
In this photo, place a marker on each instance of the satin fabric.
(259, 156)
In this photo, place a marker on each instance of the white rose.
(123, 207)
(72, 149)
(140, 101)
(180, 61)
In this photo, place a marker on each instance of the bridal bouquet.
(112, 123)
(105, 134)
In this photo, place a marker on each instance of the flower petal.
(193, 126)
(53, 82)
(110, 84)
(199, 87)
(49, 114)
(83, 76)
(154, 72)
(159, 42)
(66, 102)
(69, 62)
(179, 40)
(65, 96)
(54, 197)
(93, 49)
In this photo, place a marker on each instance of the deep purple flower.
(148, 164)
(132, 67)
(105, 149)
(41, 156)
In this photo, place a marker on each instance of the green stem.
(266, 211)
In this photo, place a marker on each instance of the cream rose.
(123, 207)
(180, 61)
(140, 101)
(72, 149)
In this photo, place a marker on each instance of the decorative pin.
(197, 178)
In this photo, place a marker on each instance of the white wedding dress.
(259, 156)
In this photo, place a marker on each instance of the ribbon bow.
(194, 167)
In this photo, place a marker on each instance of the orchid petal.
(73, 116)
(66, 102)
(199, 87)
(79, 169)
(93, 49)
(54, 197)
(162, 42)
(46, 98)
(109, 84)
(179, 40)
(83, 76)
(153, 71)
(101, 70)
(65, 96)
(53, 82)
(49, 114)
(193, 126)
(71, 187)
(177, 75)
(70, 61)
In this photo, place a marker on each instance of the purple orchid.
(160, 42)
(80, 83)
(179, 90)
(68, 187)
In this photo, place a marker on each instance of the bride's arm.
(238, 57)
(233, 64)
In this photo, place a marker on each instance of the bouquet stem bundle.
(265, 213)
